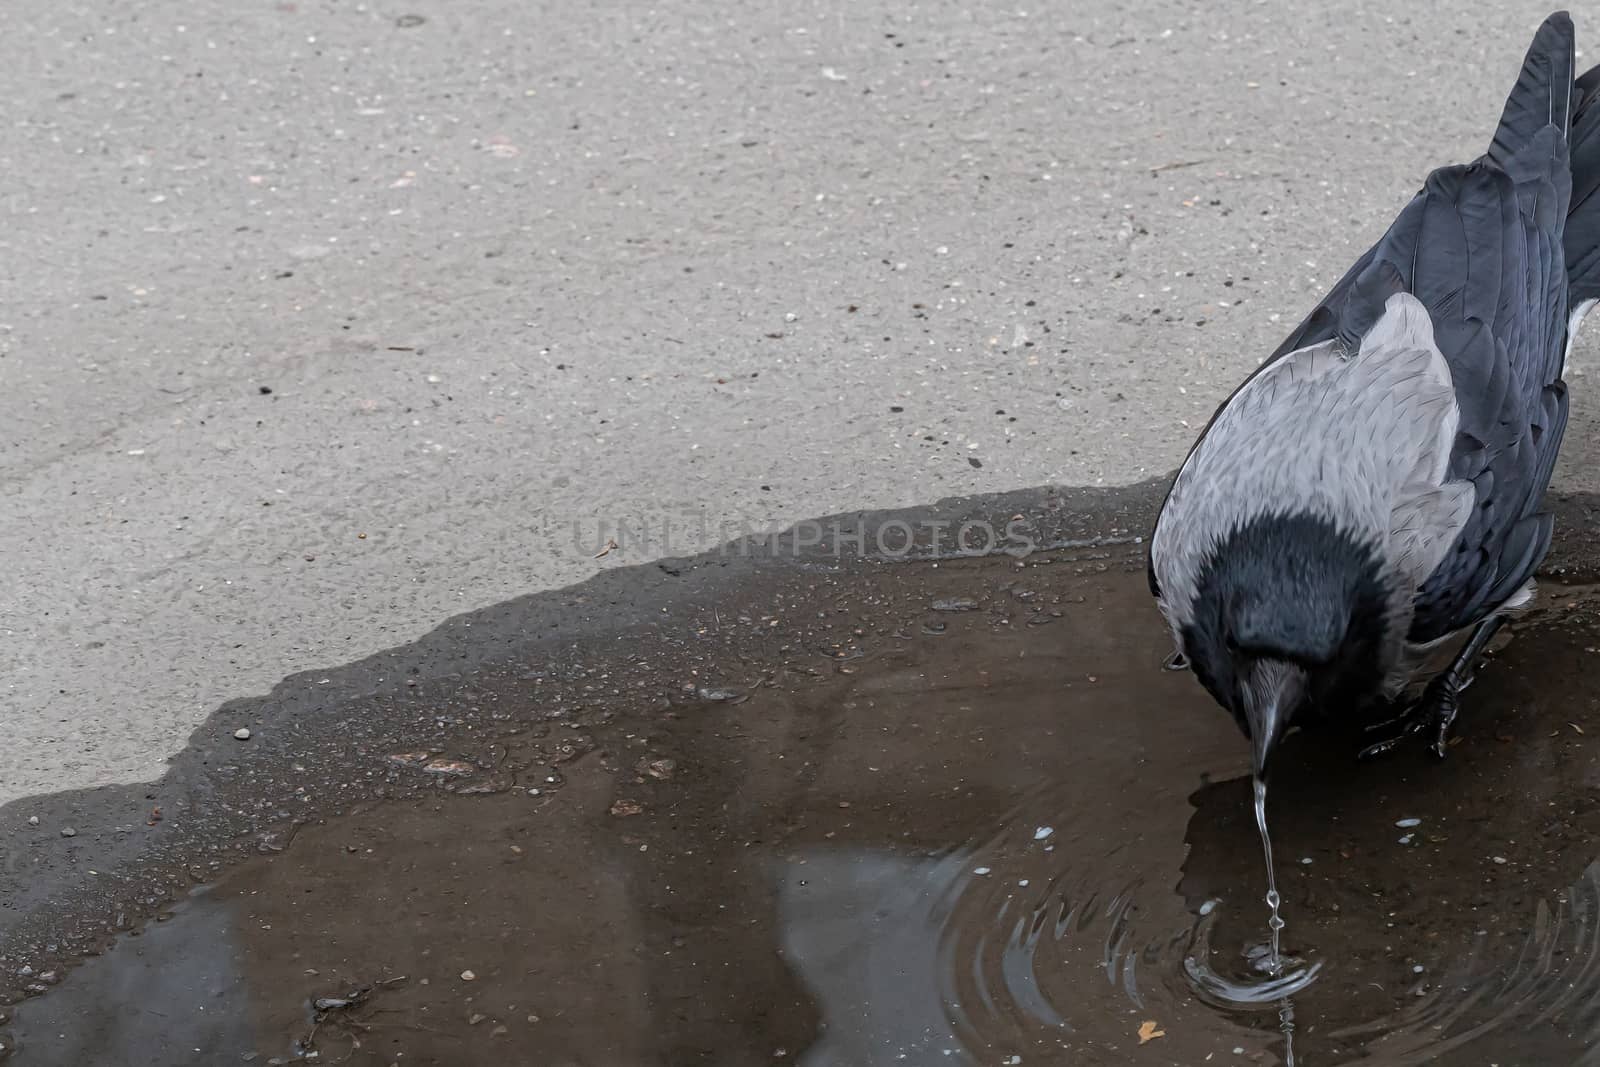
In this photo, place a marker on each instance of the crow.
(1372, 495)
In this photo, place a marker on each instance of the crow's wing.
(1487, 260)
(1481, 247)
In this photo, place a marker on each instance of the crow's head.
(1290, 616)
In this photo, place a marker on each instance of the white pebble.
(1406, 824)
(1498, 859)
(242, 733)
(1306, 860)
(468, 976)
(980, 870)
(1406, 840)
(33, 820)
(1043, 832)
(1208, 907)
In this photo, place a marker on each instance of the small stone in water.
(67, 831)
(959, 603)
(468, 976)
(33, 820)
(1043, 832)
(1406, 824)
(659, 768)
(1208, 907)
(242, 733)
(1498, 859)
(452, 767)
(980, 870)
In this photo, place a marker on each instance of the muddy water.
(976, 825)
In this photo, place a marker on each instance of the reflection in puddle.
(174, 994)
(862, 931)
(1008, 839)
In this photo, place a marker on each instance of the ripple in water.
(1057, 935)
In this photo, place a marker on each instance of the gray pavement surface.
(519, 274)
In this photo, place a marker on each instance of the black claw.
(1408, 724)
(1446, 705)
(1434, 712)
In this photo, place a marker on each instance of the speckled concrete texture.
(320, 323)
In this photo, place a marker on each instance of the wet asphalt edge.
(65, 895)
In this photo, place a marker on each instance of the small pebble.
(980, 870)
(1043, 832)
(1406, 824)
(468, 976)
(67, 831)
(33, 820)
(1498, 859)
(242, 734)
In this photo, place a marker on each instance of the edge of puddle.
(221, 800)
(66, 897)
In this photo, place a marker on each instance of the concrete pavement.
(322, 323)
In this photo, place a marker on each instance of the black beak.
(1271, 691)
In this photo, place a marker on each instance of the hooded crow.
(1373, 492)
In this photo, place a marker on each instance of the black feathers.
(1582, 238)
(1486, 247)
(1543, 93)
(1293, 589)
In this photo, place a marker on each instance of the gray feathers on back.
(1420, 407)
(1360, 438)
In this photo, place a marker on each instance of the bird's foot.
(1434, 712)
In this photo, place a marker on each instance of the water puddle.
(992, 833)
